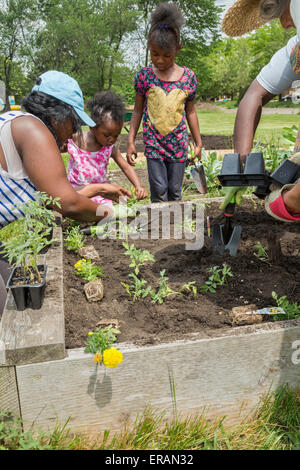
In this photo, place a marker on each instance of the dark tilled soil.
(210, 142)
(143, 322)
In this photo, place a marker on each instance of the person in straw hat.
(284, 67)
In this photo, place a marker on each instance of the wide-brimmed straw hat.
(242, 18)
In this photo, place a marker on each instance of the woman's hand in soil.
(115, 192)
(131, 152)
(231, 192)
(141, 193)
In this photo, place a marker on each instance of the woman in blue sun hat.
(30, 159)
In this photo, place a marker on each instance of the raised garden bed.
(186, 341)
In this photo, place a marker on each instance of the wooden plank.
(37, 335)
(9, 399)
(226, 375)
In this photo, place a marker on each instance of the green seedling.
(136, 289)
(292, 310)
(262, 253)
(74, 239)
(101, 339)
(88, 270)
(164, 289)
(189, 287)
(219, 277)
(137, 257)
(37, 224)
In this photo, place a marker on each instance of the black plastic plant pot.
(287, 172)
(25, 294)
(254, 170)
(231, 171)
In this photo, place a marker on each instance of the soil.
(143, 322)
(210, 142)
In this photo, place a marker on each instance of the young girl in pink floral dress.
(90, 153)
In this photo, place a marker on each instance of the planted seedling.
(100, 343)
(88, 270)
(189, 287)
(74, 239)
(164, 289)
(292, 310)
(261, 253)
(136, 289)
(217, 278)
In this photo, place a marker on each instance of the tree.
(17, 21)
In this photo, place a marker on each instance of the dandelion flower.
(112, 357)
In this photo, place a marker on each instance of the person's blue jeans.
(165, 179)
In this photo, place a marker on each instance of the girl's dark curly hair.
(166, 21)
(106, 104)
(45, 107)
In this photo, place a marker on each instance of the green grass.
(220, 123)
(273, 425)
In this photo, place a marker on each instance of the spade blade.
(199, 178)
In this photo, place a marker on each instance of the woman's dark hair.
(106, 104)
(45, 107)
(166, 21)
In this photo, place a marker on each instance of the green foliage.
(289, 135)
(88, 270)
(12, 436)
(292, 310)
(189, 287)
(37, 225)
(219, 277)
(101, 339)
(138, 257)
(14, 229)
(136, 289)
(261, 253)
(164, 289)
(74, 239)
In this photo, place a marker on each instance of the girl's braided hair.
(106, 104)
(166, 21)
(45, 107)
(270, 9)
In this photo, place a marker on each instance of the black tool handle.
(229, 209)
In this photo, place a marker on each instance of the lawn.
(220, 123)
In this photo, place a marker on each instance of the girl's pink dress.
(88, 167)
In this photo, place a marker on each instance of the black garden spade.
(226, 237)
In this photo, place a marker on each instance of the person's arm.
(140, 192)
(192, 119)
(45, 168)
(134, 127)
(248, 117)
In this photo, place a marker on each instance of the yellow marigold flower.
(90, 333)
(98, 357)
(112, 357)
(78, 264)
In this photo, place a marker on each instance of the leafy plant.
(37, 222)
(88, 270)
(137, 256)
(292, 310)
(164, 289)
(136, 289)
(99, 343)
(217, 278)
(289, 136)
(262, 253)
(190, 287)
(74, 239)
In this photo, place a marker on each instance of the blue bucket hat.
(64, 88)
